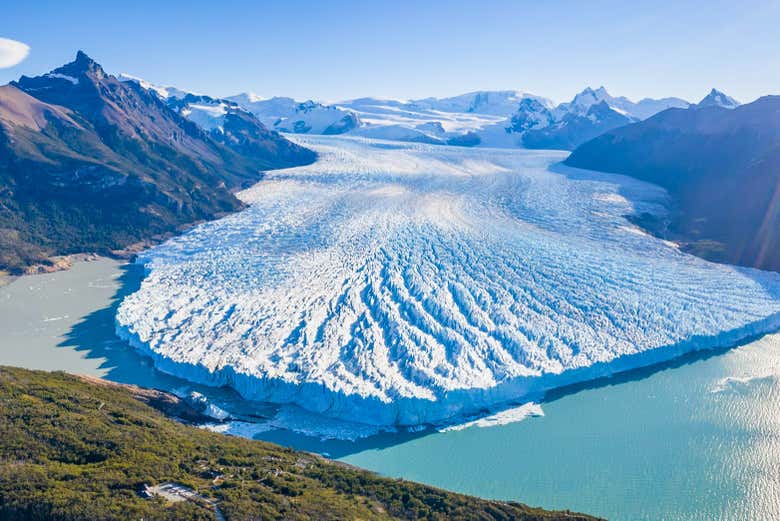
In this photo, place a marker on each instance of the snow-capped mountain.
(567, 125)
(424, 133)
(298, 117)
(575, 127)
(502, 118)
(530, 115)
(495, 103)
(642, 109)
(722, 167)
(206, 112)
(223, 120)
(717, 98)
(442, 118)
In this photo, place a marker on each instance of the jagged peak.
(83, 64)
(81, 56)
(718, 98)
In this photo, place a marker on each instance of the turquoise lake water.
(694, 440)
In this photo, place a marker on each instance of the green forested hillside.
(71, 449)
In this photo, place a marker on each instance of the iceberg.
(401, 284)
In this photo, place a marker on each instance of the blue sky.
(339, 49)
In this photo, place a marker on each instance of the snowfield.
(400, 284)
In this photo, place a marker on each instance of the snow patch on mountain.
(74, 81)
(209, 116)
(163, 92)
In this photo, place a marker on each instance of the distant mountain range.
(481, 118)
(506, 118)
(721, 163)
(91, 163)
(589, 114)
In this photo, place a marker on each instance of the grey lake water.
(697, 439)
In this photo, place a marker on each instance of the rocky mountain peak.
(717, 98)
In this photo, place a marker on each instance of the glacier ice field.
(400, 284)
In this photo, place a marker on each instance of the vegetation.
(72, 449)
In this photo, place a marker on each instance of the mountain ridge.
(92, 164)
(494, 118)
(722, 166)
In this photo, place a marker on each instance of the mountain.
(722, 166)
(495, 103)
(503, 118)
(567, 125)
(718, 99)
(91, 163)
(484, 102)
(308, 117)
(530, 115)
(77, 448)
(642, 109)
(574, 128)
(462, 119)
(648, 107)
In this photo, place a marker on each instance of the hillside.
(92, 164)
(74, 449)
(722, 167)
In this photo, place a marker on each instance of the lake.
(698, 439)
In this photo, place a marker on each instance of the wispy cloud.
(12, 52)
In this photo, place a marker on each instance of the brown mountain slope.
(88, 163)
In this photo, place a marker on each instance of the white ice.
(396, 283)
(513, 415)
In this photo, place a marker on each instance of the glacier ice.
(504, 417)
(399, 284)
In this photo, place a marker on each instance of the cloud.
(12, 52)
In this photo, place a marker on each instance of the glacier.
(402, 284)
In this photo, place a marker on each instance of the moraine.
(408, 284)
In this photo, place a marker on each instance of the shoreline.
(57, 263)
(121, 363)
(636, 390)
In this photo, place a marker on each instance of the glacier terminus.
(406, 283)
